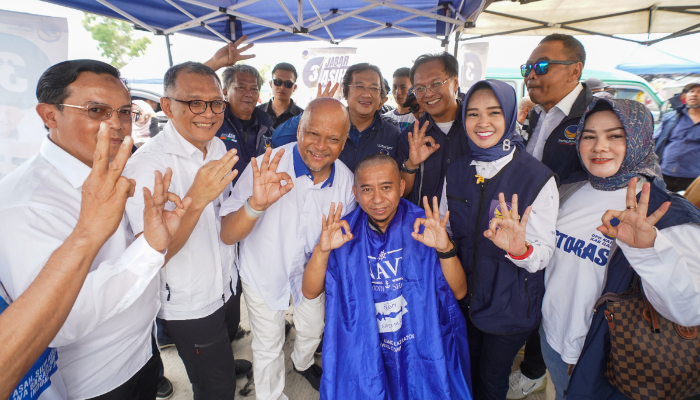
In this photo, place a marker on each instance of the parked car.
(144, 94)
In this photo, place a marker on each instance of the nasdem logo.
(571, 132)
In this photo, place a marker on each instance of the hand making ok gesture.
(267, 182)
(419, 150)
(435, 233)
(332, 236)
(635, 228)
(508, 233)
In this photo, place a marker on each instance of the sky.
(504, 51)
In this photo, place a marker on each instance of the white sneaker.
(521, 386)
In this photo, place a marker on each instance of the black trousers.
(491, 359)
(675, 184)
(533, 365)
(204, 346)
(143, 385)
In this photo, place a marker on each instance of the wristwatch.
(406, 170)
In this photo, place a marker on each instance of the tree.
(116, 39)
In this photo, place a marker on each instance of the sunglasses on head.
(279, 82)
(541, 67)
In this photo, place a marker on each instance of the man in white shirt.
(278, 226)
(198, 286)
(105, 348)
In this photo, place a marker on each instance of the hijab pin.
(479, 179)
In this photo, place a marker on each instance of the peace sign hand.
(332, 237)
(508, 233)
(230, 54)
(635, 228)
(267, 186)
(329, 91)
(160, 224)
(435, 233)
(419, 150)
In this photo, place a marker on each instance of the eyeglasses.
(373, 90)
(435, 87)
(101, 112)
(279, 82)
(541, 67)
(200, 106)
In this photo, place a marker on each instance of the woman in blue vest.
(502, 255)
(654, 233)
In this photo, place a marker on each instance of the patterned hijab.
(506, 97)
(640, 159)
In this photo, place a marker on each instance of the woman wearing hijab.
(503, 256)
(643, 227)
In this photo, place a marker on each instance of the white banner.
(30, 45)
(326, 65)
(473, 66)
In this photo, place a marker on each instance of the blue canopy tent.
(649, 61)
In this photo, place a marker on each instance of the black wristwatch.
(448, 254)
(406, 170)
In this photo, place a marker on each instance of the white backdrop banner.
(473, 66)
(326, 65)
(29, 44)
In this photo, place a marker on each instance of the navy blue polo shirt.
(380, 137)
(680, 157)
(431, 175)
(300, 169)
(250, 142)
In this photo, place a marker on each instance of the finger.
(514, 207)
(436, 209)
(607, 217)
(444, 220)
(224, 172)
(495, 222)
(276, 160)
(324, 223)
(239, 41)
(432, 149)
(167, 179)
(631, 198)
(125, 187)
(424, 128)
(656, 216)
(116, 167)
(225, 163)
(174, 198)
(339, 212)
(346, 228)
(181, 211)
(410, 139)
(318, 91)
(228, 179)
(504, 206)
(429, 140)
(290, 184)
(643, 205)
(331, 212)
(426, 206)
(242, 49)
(100, 159)
(158, 186)
(417, 224)
(132, 187)
(265, 165)
(149, 205)
(254, 167)
(334, 89)
(526, 216)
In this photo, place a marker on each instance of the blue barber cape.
(394, 330)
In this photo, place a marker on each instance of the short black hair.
(448, 61)
(191, 67)
(52, 87)
(284, 66)
(229, 75)
(374, 160)
(402, 72)
(361, 67)
(573, 49)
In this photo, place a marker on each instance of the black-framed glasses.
(279, 82)
(103, 112)
(435, 87)
(541, 67)
(200, 106)
(373, 90)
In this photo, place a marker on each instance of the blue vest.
(248, 143)
(502, 298)
(381, 137)
(587, 379)
(394, 330)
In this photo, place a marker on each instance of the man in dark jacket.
(283, 84)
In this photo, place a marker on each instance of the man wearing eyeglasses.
(199, 289)
(283, 84)
(429, 145)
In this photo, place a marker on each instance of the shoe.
(165, 389)
(521, 386)
(313, 375)
(319, 349)
(242, 368)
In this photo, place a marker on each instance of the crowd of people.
(421, 248)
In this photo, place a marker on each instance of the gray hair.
(230, 74)
(191, 67)
(306, 116)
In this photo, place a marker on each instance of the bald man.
(393, 330)
(274, 212)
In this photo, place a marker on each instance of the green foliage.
(115, 39)
(264, 71)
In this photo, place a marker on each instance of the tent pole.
(170, 55)
(457, 35)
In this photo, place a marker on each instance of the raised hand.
(435, 233)
(419, 150)
(332, 237)
(635, 228)
(105, 191)
(212, 178)
(230, 54)
(267, 182)
(508, 233)
(160, 224)
(328, 91)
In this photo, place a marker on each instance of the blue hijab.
(506, 97)
(640, 159)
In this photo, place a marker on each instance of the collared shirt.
(273, 256)
(380, 137)
(680, 156)
(250, 141)
(302, 169)
(106, 338)
(200, 278)
(290, 112)
(546, 125)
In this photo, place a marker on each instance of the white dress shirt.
(540, 232)
(550, 120)
(275, 253)
(202, 275)
(107, 336)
